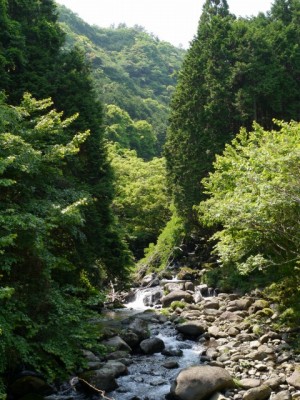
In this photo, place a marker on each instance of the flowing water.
(148, 378)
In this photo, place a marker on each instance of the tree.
(44, 292)
(201, 108)
(254, 203)
(141, 202)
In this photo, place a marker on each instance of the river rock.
(200, 382)
(117, 343)
(294, 379)
(176, 295)
(230, 316)
(258, 393)
(283, 395)
(192, 328)
(171, 286)
(215, 304)
(152, 345)
(100, 379)
(189, 286)
(153, 297)
(150, 280)
(140, 327)
(170, 364)
(249, 383)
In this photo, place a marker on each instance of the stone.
(131, 338)
(170, 364)
(189, 286)
(150, 280)
(117, 343)
(274, 382)
(233, 331)
(152, 345)
(214, 304)
(262, 392)
(215, 331)
(153, 297)
(230, 316)
(294, 379)
(241, 304)
(140, 328)
(176, 295)
(100, 379)
(172, 286)
(192, 328)
(200, 382)
(283, 395)
(249, 383)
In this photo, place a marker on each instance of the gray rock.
(283, 395)
(189, 286)
(200, 382)
(230, 316)
(294, 379)
(117, 343)
(216, 332)
(192, 328)
(100, 379)
(150, 280)
(170, 364)
(176, 295)
(140, 328)
(131, 338)
(152, 345)
(212, 304)
(262, 392)
(241, 304)
(249, 383)
(171, 286)
(274, 382)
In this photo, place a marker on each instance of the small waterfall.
(145, 298)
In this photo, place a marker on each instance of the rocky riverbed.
(238, 354)
(191, 347)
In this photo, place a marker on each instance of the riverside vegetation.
(92, 172)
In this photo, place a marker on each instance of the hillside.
(132, 69)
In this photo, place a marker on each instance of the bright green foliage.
(122, 129)
(43, 318)
(141, 202)
(236, 71)
(167, 248)
(254, 195)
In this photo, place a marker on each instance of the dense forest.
(112, 141)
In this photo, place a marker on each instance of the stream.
(148, 377)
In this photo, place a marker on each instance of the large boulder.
(140, 327)
(200, 382)
(117, 343)
(192, 328)
(152, 345)
(176, 295)
(153, 297)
